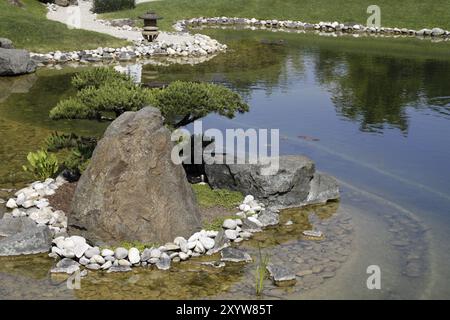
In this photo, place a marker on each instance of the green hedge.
(101, 6)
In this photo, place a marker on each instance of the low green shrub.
(101, 6)
(42, 164)
(96, 77)
(116, 96)
(73, 108)
(190, 101)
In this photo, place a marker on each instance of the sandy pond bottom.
(333, 267)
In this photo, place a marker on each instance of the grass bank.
(414, 14)
(28, 28)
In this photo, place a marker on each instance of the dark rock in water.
(15, 62)
(6, 43)
(119, 269)
(23, 236)
(273, 42)
(131, 190)
(294, 184)
(322, 189)
(66, 265)
(235, 255)
(220, 242)
(250, 226)
(281, 276)
(268, 218)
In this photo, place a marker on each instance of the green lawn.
(28, 28)
(415, 14)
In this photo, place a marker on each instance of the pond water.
(375, 113)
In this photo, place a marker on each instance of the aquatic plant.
(56, 141)
(42, 164)
(261, 272)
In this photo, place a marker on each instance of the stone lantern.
(150, 31)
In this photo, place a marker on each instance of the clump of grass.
(208, 198)
(261, 272)
(138, 245)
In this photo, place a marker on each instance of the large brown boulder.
(131, 190)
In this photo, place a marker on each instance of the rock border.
(74, 252)
(329, 28)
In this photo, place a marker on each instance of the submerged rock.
(235, 255)
(269, 218)
(131, 189)
(66, 265)
(281, 276)
(23, 236)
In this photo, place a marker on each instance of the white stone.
(121, 253)
(21, 198)
(248, 198)
(199, 248)
(155, 253)
(11, 204)
(92, 252)
(134, 256)
(107, 252)
(229, 224)
(231, 234)
(183, 256)
(207, 242)
(98, 259)
(255, 220)
(123, 262)
(106, 265)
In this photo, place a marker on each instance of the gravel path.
(81, 17)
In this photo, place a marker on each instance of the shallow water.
(374, 114)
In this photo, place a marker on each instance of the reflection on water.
(375, 114)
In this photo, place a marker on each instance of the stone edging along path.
(75, 251)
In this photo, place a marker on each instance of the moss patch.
(208, 198)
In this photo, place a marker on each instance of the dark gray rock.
(15, 62)
(281, 276)
(250, 226)
(164, 262)
(131, 190)
(235, 255)
(66, 265)
(269, 218)
(322, 189)
(23, 236)
(294, 184)
(119, 269)
(6, 43)
(220, 242)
